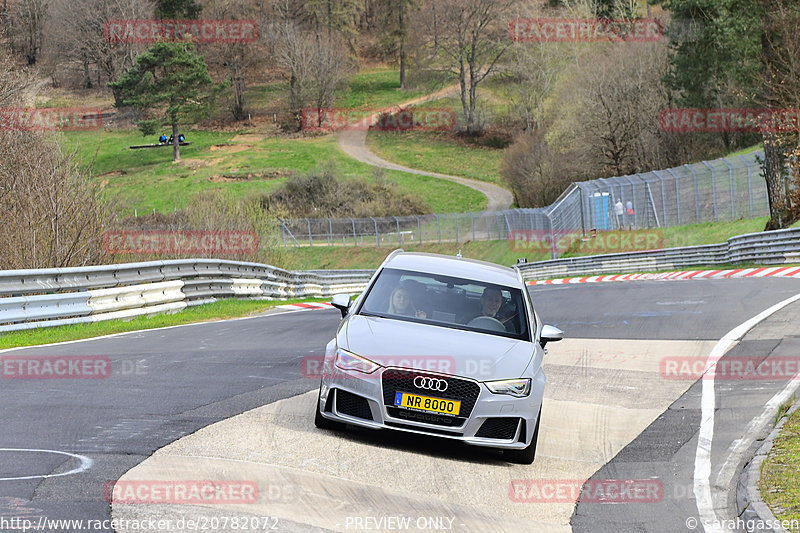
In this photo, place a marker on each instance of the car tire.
(320, 421)
(526, 455)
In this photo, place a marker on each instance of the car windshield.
(448, 301)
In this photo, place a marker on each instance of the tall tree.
(473, 36)
(169, 85)
(24, 26)
(731, 61)
(177, 9)
(334, 16)
(394, 20)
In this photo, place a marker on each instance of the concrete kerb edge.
(749, 504)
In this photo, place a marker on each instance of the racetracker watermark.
(599, 242)
(186, 492)
(55, 367)
(591, 491)
(547, 30)
(313, 366)
(50, 119)
(198, 31)
(180, 242)
(740, 120)
(730, 368)
(335, 119)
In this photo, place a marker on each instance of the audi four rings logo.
(430, 383)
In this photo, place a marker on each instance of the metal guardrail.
(767, 248)
(59, 296)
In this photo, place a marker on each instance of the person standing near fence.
(629, 212)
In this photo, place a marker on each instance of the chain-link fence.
(723, 189)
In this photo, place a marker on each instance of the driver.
(492, 306)
(491, 300)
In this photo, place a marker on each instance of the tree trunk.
(176, 144)
(402, 46)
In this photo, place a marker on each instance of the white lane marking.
(702, 460)
(86, 464)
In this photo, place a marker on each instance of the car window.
(449, 302)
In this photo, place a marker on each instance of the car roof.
(454, 266)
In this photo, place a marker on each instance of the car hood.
(479, 356)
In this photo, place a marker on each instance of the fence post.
(677, 194)
(713, 188)
(310, 238)
(377, 242)
(455, 217)
(472, 218)
(355, 237)
(552, 236)
(330, 231)
(419, 229)
(663, 198)
(438, 228)
(733, 196)
(696, 194)
(749, 182)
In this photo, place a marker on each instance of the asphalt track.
(608, 415)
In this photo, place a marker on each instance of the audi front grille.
(398, 380)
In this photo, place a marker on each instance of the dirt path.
(354, 144)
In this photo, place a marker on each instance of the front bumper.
(495, 420)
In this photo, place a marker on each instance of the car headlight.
(350, 361)
(513, 387)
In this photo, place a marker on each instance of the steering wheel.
(487, 322)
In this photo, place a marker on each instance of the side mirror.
(342, 302)
(550, 334)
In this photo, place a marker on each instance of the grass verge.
(506, 253)
(245, 164)
(220, 310)
(780, 473)
(434, 152)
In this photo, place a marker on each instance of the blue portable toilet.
(601, 208)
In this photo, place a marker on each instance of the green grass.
(780, 473)
(746, 151)
(223, 309)
(376, 88)
(345, 257)
(436, 152)
(147, 179)
(505, 253)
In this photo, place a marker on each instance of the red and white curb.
(765, 272)
(305, 306)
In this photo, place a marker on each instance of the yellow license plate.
(426, 403)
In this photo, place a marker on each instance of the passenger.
(400, 304)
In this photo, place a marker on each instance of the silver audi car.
(442, 346)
